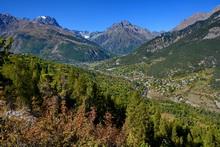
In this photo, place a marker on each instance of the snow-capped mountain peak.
(46, 20)
(44, 17)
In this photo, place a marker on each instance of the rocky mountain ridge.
(194, 18)
(46, 20)
(120, 38)
(44, 37)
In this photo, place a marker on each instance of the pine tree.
(209, 140)
(18, 72)
(8, 45)
(175, 139)
(138, 121)
(72, 76)
(156, 120)
(80, 88)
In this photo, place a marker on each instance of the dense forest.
(71, 106)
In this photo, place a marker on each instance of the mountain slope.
(121, 38)
(196, 51)
(45, 38)
(195, 48)
(194, 18)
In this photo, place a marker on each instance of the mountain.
(46, 20)
(85, 34)
(121, 38)
(155, 33)
(192, 49)
(44, 37)
(194, 18)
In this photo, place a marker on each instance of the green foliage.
(6, 45)
(215, 82)
(189, 58)
(21, 77)
(138, 121)
(120, 116)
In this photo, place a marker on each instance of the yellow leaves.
(66, 129)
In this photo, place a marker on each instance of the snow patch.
(44, 17)
(86, 36)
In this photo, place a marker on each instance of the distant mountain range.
(121, 38)
(195, 48)
(44, 37)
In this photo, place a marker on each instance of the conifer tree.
(138, 121)
(80, 88)
(209, 139)
(72, 76)
(2, 41)
(8, 45)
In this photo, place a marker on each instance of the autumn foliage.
(66, 128)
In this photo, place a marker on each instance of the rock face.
(7, 19)
(194, 18)
(46, 20)
(213, 33)
(44, 37)
(121, 38)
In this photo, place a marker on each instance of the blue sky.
(98, 15)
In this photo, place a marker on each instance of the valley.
(194, 89)
(124, 86)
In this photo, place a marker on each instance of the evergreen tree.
(18, 72)
(175, 138)
(72, 76)
(2, 41)
(138, 121)
(209, 139)
(8, 45)
(80, 88)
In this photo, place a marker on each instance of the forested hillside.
(70, 106)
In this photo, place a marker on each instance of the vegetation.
(178, 53)
(76, 107)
